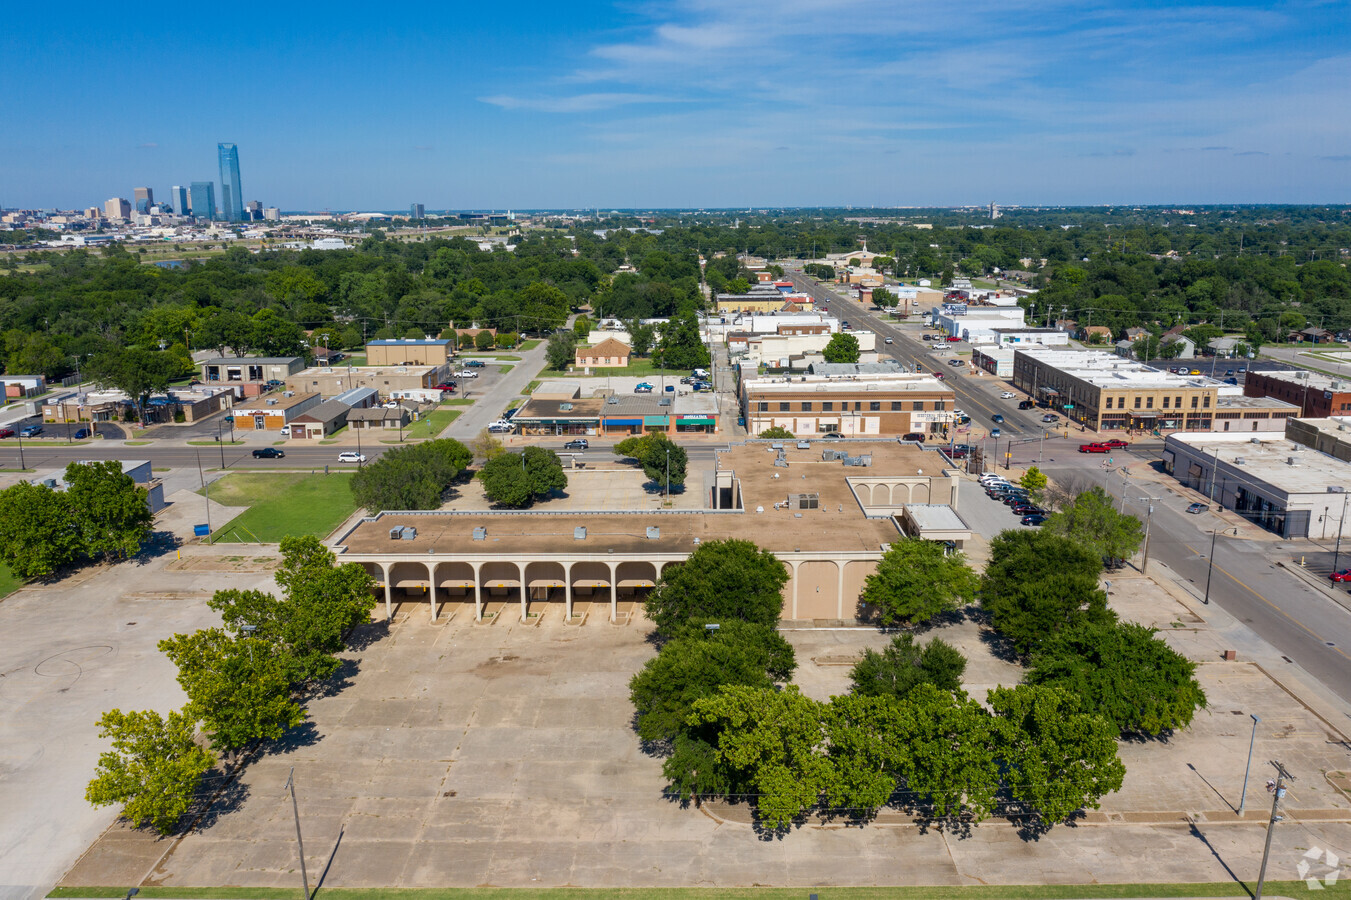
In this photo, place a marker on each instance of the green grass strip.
(283, 503)
(908, 892)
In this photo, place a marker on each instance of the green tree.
(950, 762)
(487, 446)
(275, 335)
(917, 580)
(776, 433)
(680, 346)
(137, 373)
(33, 354)
(153, 769)
(413, 333)
(541, 307)
(483, 340)
(1093, 521)
(236, 687)
(1037, 584)
(1124, 673)
(721, 581)
(111, 511)
(903, 664)
(1034, 482)
(773, 741)
(866, 753)
(411, 477)
(644, 337)
(696, 663)
(658, 455)
(321, 602)
(39, 531)
(1056, 758)
(517, 480)
(561, 351)
(884, 298)
(843, 348)
(581, 327)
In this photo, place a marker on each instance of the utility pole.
(304, 876)
(1276, 795)
(1144, 564)
(1336, 554)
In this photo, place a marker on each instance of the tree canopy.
(415, 476)
(842, 348)
(153, 769)
(658, 455)
(517, 480)
(1092, 520)
(731, 580)
(916, 580)
(1124, 673)
(904, 664)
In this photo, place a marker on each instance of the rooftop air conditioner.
(579, 533)
(653, 532)
(481, 533)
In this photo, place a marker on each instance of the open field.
(432, 423)
(282, 504)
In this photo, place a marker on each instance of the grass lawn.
(531, 387)
(529, 345)
(641, 368)
(964, 892)
(440, 419)
(282, 503)
(9, 582)
(459, 401)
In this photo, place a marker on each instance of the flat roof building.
(1102, 391)
(410, 352)
(1278, 484)
(1235, 414)
(250, 374)
(386, 380)
(829, 528)
(272, 411)
(864, 405)
(1317, 395)
(1331, 436)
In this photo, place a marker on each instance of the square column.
(431, 586)
(478, 596)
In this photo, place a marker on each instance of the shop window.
(1137, 402)
(807, 406)
(874, 406)
(784, 406)
(1149, 403)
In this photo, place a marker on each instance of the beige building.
(408, 352)
(829, 529)
(1236, 413)
(272, 411)
(1104, 392)
(865, 405)
(333, 380)
(608, 354)
(1331, 435)
(250, 375)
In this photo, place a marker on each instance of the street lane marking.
(1259, 596)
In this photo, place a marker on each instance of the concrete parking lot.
(502, 754)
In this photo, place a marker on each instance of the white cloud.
(572, 104)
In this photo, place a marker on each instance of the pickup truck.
(1095, 447)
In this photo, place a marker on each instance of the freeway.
(977, 395)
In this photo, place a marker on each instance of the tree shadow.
(339, 681)
(156, 545)
(220, 794)
(366, 634)
(999, 646)
(306, 734)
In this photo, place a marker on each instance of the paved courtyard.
(502, 754)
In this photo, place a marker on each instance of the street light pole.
(1144, 563)
(1342, 521)
(1243, 800)
(1210, 569)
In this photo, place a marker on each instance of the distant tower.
(994, 210)
(179, 195)
(145, 198)
(117, 208)
(202, 200)
(417, 211)
(231, 194)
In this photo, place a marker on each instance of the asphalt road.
(978, 395)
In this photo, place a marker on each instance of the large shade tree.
(720, 581)
(917, 580)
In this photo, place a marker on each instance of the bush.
(412, 477)
(721, 581)
(517, 480)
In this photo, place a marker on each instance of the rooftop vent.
(653, 532)
(1238, 460)
(409, 533)
(579, 533)
(1336, 489)
(481, 533)
(1290, 461)
(564, 407)
(1254, 440)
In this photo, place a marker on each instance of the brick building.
(1317, 395)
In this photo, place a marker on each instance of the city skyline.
(701, 104)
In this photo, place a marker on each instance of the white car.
(466, 373)
(351, 456)
(1007, 395)
(501, 428)
(888, 341)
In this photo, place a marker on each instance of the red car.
(1343, 575)
(938, 375)
(6, 432)
(953, 340)
(1094, 448)
(446, 386)
(1117, 443)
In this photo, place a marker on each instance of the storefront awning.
(656, 420)
(610, 423)
(695, 422)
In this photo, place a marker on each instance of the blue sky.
(713, 103)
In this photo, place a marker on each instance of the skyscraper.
(145, 198)
(202, 200)
(117, 208)
(417, 211)
(179, 195)
(231, 195)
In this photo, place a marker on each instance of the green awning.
(656, 420)
(695, 422)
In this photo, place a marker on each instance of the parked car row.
(1104, 446)
(1014, 497)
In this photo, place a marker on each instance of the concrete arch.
(545, 580)
(815, 584)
